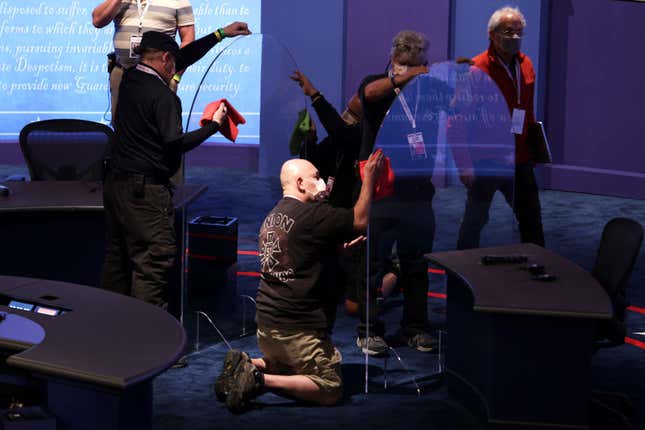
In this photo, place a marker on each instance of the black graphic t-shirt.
(297, 241)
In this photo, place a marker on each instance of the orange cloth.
(385, 181)
(232, 119)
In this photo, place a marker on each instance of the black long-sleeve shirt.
(337, 154)
(373, 114)
(148, 120)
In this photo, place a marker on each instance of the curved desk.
(56, 230)
(519, 350)
(73, 196)
(98, 359)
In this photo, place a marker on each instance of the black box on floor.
(211, 252)
(213, 239)
(211, 275)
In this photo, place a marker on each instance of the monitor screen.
(53, 64)
(22, 306)
(46, 311)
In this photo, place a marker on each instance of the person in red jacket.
(513, 73)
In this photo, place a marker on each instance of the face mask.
(511, 44)
(398, 69)
(321, 189)
(348, 117)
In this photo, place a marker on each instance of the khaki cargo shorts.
(309, 353)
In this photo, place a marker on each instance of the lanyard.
(406, 107)
(149, 70)
(517, 75)
(142, 12)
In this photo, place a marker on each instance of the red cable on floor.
(437, 271)
(253, 274)
(636, 309)
(248, 253)
(636, 343)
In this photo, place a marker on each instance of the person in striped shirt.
(131, 19)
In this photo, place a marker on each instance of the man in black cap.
(137, 192)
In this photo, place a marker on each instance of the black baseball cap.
(159, 41)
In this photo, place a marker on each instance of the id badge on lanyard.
(415, 139)
(519, 115)
(417, 146)
(517, 121)
(135, 40)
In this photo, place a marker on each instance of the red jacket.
(491, 64)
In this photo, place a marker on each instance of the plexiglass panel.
(212, 286)
(448, 139)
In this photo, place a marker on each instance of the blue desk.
(519, 350)
(56, 230)
(98, 360)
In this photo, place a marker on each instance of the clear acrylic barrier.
(282, 100)
(449, 141)
(271, 115)
(215, 296)
(229, 71)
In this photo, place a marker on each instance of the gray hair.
(410, 47)
(497, 16)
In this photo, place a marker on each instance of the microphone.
(488, 260)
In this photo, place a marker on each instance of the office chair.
(65, 149)
(619, 247)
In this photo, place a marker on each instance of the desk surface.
(508, 289)
(107, 339)
(73, 196)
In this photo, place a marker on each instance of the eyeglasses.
(509, 32)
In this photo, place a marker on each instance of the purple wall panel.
(10, 153)
(595, 97)
(371, 24)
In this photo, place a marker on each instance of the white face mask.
(321, 188)
(348, 117)
(398, 69)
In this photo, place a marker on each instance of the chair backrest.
(620, 245)
(65, 149)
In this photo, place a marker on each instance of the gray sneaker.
(373, 345)
(422, 342)
(247, 384)
(225, 379)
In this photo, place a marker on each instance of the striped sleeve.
(185, 14)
